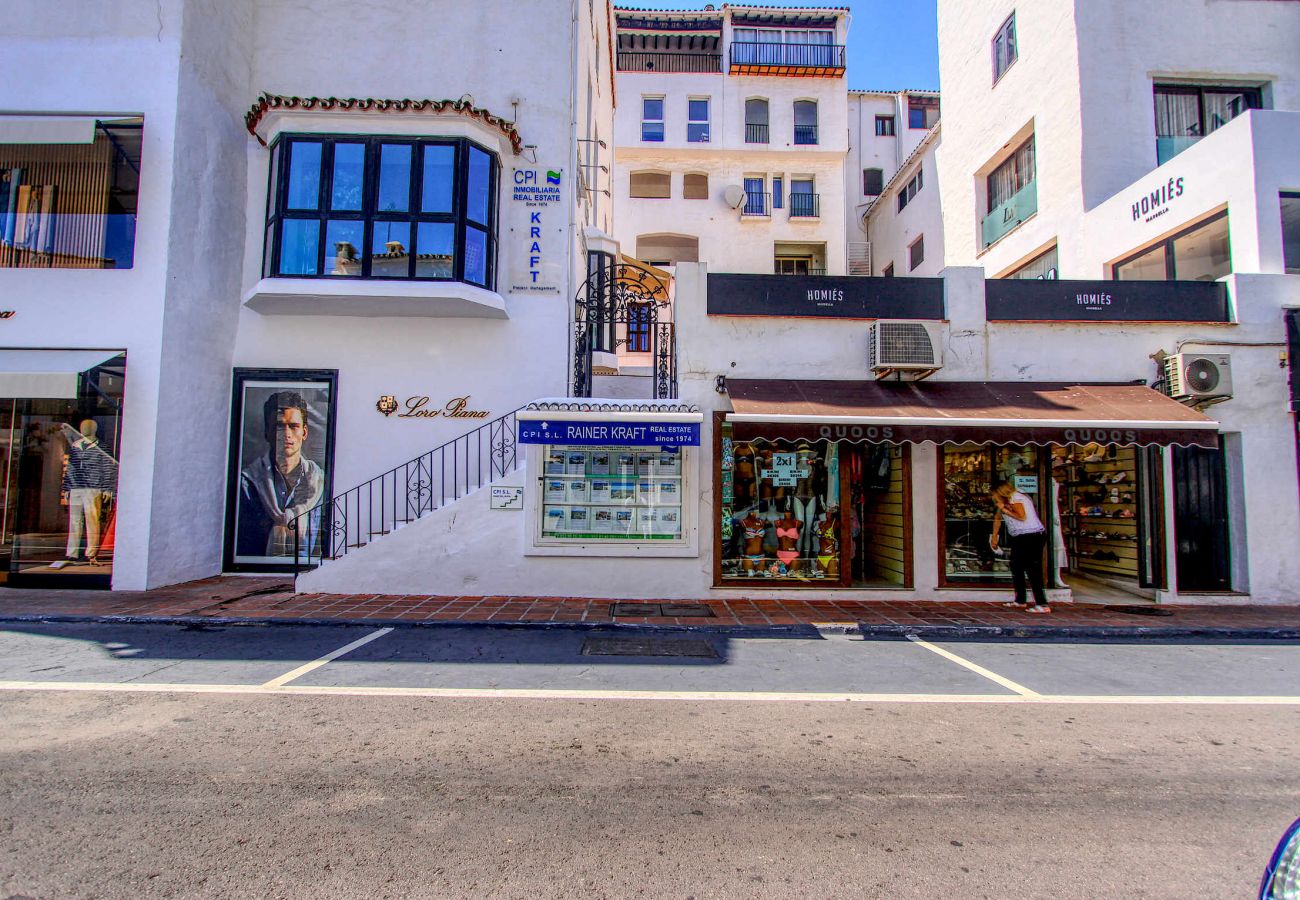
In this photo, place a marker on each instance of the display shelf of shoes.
(1102, 517)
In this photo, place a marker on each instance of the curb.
(938, 632)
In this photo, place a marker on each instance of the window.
(916, 253)
(610, 494)
(697, 121)
(652, 118)
(884, 126)
(793, 265)
(1004, 47)
(803, 200)
(756, 198)
(695, 186)
(873, 182)
(1186, 113)
(1041, 268)
(922, 112)
(910, 190)
(1199, 253)
(1012, 176)
(638, 328)
(805, 122)
(756, 121)
(70, 203)
(1290, 202)
(650, 185)
(382, 207)
(888, 272)
(778, 190)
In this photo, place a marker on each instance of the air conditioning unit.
(905, 347)
(1195, 377)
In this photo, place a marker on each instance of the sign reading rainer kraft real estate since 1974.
(537, 222)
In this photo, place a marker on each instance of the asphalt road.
(133, 765)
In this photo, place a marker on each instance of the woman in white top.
(1028, 538)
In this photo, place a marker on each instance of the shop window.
(1200, 253)
(1185, 113)
(59, 498)
(70, 203)
(1105, 511)
(884, 126)
(650, 185)
(367, 207)
(873, 182)
(611, 494)
(695, 186)
(916, 253)
(697, 120)
(1004, 47)
(1290, 232)
(1041, 268)
(821, 512)
(652, 119)
(970, 472)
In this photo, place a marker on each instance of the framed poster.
(281, 467)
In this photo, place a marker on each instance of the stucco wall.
(892, 231)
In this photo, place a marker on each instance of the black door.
(1201, 520)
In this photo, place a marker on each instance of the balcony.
(757, 205)
(1169, 147)
(805, 135)
(806, 60)
(643, 61)
(1006, 216)
(805, 206)
(755, 134)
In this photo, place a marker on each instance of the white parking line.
(977, 669)
(328, 657)
(563, 694)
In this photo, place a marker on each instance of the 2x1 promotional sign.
(611, 434)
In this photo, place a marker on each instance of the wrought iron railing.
(404, 493)
(757, 203)
(805, 134)
(801, 56)
(637, 61)
(755, 134)
(805, 206)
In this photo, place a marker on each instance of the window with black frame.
(382, 207)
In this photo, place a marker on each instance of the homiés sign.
(1030, 300)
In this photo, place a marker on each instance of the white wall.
(892, 232)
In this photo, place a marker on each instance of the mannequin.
(828, 543)
(753, 530)
(88, 485)
(788, 531)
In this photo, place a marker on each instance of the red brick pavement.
(272, 599)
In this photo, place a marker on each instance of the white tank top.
(1030, 524)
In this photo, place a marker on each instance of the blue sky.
(893, 44)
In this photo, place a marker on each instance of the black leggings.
(1027, 562)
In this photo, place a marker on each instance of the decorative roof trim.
(268, 102)
(592, 404)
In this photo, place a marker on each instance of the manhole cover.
(648, 646)
(687, 610)
(634, 609)
(1141, 610)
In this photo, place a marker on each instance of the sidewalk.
(233, 600)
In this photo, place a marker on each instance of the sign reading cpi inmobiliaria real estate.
(536, 231)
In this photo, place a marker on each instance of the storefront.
(838, 455)
(60, 444)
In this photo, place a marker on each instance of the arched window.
(756, 121)
(650, 185)
(695, 186)
(805, 121)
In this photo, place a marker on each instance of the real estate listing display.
(611, 493)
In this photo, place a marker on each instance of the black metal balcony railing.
(638, 61)
(805, 206)
(757, 204)
(805, 134)
(801, 56)
(755, 134)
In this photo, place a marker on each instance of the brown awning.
(956, 412)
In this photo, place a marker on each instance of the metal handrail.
(805, 134)
(649, 61)
(755, 133)
(404, 493)
(804, 56)
(805, 206)
(757, 204)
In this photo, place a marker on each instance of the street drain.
(640, 610)
(687, 610)
(1141, 610)
(648, 646)
(672, 610)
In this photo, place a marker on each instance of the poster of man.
(283, 466)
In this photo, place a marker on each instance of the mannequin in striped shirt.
(89, 482)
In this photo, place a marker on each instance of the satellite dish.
(734, 196)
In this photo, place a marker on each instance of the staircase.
(415, 488)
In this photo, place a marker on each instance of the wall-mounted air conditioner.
(905, 347)
(1198, 377)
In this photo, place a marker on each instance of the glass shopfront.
(970, 472)
(611, 494)
(812, 512)
(58, 509)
